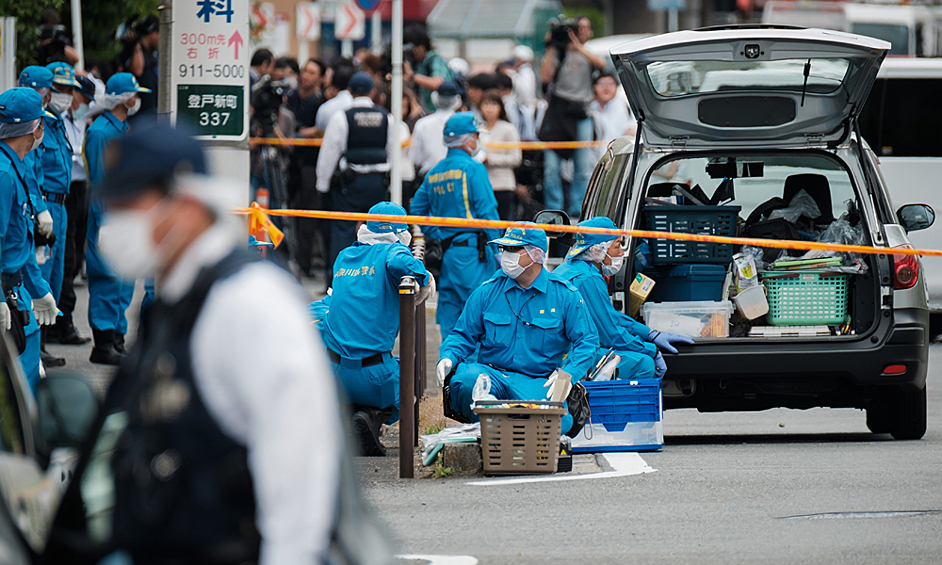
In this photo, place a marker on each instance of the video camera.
(559, 32)
(267, 98)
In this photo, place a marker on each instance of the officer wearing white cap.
(458, 187)
(21, 131)
(528, 323)
(231, 444)
(357, 147)
(362, 321)
(108, 296)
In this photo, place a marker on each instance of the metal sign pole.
(395, 183)
(164, 111)
(77, 34)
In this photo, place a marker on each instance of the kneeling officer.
(362, 321)
(595, 255)
(525, 319)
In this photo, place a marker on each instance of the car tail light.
(894, 370)
(905, 270)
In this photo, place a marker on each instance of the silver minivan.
(736, 123)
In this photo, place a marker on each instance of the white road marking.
(441, 559)
(624, 464)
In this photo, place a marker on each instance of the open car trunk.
(713, 291)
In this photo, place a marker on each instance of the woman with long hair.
(500, 162)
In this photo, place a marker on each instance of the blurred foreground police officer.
(528, 323)
(362, 323)
(593, 256)
(21, 131)
(108, 295)
(357, 145)
(220, 440)
(458, 187)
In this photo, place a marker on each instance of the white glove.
(559, 382)
(426, 291)
(45, 222)
(45, 310)
(443, 368)
(5, 315)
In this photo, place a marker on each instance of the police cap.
(389, 209)
(520, 236)
(19, 105)
(461, 123)
(122, 83)
(147, 157)
(63, 73)
(587, 240)
(36, 77)
(360, 83)
(448, 88)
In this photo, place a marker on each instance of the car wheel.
(879, 417)
(909, 418)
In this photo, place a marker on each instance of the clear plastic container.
(752, 302)
(702, 319)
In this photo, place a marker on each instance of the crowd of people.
(573, 98)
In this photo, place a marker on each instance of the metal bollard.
(420, 372)
(407, 409)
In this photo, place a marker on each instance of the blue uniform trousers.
(461, 273)
(376, 386)
(29, 359)
(108, 296)
(633, 365)
(505, 385)
(54, 266)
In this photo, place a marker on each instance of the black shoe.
(68, 335)
(368, 435)
(50, 360)
(119, 343)
(106, 355)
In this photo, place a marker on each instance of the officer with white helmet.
(362, 321)
(593, 257)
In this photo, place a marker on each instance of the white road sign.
(349, 22)
(210, 67)
(308, 17)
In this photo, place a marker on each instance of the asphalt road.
(780, 486)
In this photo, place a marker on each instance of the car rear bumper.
(757, 374)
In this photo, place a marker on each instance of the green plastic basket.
(806, 298)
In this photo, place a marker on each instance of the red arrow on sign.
(237, 39)
(352, 19)
(308, 24)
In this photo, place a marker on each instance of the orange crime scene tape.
(258, 217)
(523, 145)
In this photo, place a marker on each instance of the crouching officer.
(526, 319)
(362, 321)
(357, 147)
(222, 428)
(21, 132)
(458, 187)
(593, 256)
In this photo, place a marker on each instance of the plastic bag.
(801, 205)
(433, 443)
(841, 232)
(745, 270)
(757, 254)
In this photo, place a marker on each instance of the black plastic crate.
(702, 220)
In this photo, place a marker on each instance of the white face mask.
(510, 264)
(60, 102)
(477, 149)
(610, 270)
(37, 141)
(405, 237)
(81, 112)
(137, 106)
(127, 243)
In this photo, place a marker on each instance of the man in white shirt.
(525, 77)
(357, 146)
(427, 147)
(226, 406)
(339, 81)
(613, 119)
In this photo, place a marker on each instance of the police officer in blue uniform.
(458, 187)
(362, 321)
(593, 257)
(528, 323)
(353, 163)
(21, 132)
(108, 296)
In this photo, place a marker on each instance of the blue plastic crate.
(686, 283)
(626, 416)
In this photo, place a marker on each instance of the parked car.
(901, 121)
(37, 441)
(763, 115)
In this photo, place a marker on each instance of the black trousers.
(356, 196)
(76, 206)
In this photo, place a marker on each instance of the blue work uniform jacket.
(527, 331)
(16, 224)
(457, 187)
(363, 316)
(97, 135)
(56, 156)
(616, 330)
(34, 177)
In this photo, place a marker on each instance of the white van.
(902, 122)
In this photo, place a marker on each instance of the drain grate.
(861, 515)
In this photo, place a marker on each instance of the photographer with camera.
(142, 63)
(569, 67)
(425, 68)
(54, 44)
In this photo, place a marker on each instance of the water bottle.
(482, 389)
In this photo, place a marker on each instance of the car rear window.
(681, 78)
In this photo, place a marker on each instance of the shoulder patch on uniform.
(560, 280)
